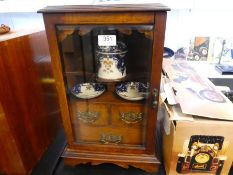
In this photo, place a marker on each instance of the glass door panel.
(107, 74)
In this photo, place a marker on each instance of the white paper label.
(106, 40)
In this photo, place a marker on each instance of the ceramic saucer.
(132, 90)
(88, 90)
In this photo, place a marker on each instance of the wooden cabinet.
(107, 63)
(29, 109)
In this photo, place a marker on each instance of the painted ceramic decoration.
(88, 90)
(132, 90)
(111, 61)
(212, 95)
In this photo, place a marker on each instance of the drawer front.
(128, 116)
(92, 114)
(108, 135)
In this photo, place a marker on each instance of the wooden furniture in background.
(108, 137)
(29, 110)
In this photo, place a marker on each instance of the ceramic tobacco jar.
(111, 61)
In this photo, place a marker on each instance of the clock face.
(202, 158)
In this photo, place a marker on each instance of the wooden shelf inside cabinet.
(74, 34)
(93, 77)
(108, 97)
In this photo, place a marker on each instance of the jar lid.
(120, 48)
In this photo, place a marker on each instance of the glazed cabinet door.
(107, 74)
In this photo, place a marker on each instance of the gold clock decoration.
(202, 158)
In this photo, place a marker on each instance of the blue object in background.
(167, 52)
(232, 53)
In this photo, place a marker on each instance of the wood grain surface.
(105, 8)
(30, 112)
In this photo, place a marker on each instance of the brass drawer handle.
(87, 116)
(131, 117)
(110, 138)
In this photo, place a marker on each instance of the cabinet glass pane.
(107, 74)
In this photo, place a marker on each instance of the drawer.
(91, 114)
(108, 135)
(129, 115)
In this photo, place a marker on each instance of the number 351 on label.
(106, 40)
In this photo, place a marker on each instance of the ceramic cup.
(111, 61)
(132, 90)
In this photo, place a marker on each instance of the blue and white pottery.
(132, 90)
(88, 90)
(111, 61)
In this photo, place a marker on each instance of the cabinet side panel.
(156, 68)
(22, 97)
(13, 97)
(46, 84)
(57, 71)
(10, 160)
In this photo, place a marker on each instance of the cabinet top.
(104, 8)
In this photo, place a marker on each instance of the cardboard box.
(195, 145)
(197, 123)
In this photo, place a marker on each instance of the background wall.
(22, 20)
(187, 19)
(185, 24)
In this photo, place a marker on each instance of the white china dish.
(88, 90)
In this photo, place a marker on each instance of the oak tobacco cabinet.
(107, 64)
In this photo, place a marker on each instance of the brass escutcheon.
(109, 138)
(131, 117)
(87, 116)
